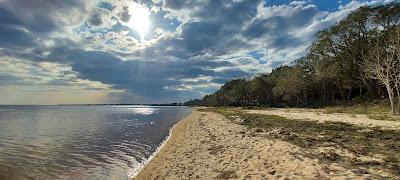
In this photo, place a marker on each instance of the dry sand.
(320, 116)
(205, 145)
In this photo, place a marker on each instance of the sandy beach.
(320, 116)
(206, 145)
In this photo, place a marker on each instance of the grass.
(377, 111)
(358, 142)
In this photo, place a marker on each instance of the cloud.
(95, 19)
(147, 78)
(191, 49)
(41, 16)
(124, 14)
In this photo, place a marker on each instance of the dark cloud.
(37, 16)
(278, 28)
(95, 19)
(124, 15)
(7, 18)
(11, 31)
(148, 78)
(215, 33)
(178, 4)
(198, 36)
(106, 6)
(231, 13)
(12, 37)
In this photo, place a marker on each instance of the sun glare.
(139, 20)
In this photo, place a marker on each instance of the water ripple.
(80, 142)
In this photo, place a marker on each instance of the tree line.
(358, 58)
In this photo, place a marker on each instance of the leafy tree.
(291, 86)
(261, 90)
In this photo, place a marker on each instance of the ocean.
(81, 142)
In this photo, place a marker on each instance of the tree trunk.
(391, 98)
(349, 94)
(367, 84)
(323, 91)
(379, 91)
(398, 99)
(342, 96)
(299, 100)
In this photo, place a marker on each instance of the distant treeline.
(358, 58)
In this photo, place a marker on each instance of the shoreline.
(143, 164)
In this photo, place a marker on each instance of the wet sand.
(206, 145)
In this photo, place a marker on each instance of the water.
(81, 142)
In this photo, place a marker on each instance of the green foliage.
(291, 85)
(194, 102)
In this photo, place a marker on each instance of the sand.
(320, 116)
(206, 145)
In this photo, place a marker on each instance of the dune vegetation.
(365, 150)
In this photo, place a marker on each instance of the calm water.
(80, 142)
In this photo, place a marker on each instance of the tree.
(382, 62)
(291, 86)
(261, 90)
(239, 93)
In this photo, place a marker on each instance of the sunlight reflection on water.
(80, 142)
(144, 110)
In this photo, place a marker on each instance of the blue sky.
(149, 51)
(323, 5)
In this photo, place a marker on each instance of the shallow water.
(80, 142)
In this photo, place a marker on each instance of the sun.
(139, 19)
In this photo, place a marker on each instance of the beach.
(207, 145)
(321, 117)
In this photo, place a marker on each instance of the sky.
(150, 51)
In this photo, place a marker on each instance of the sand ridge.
(206, 145)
